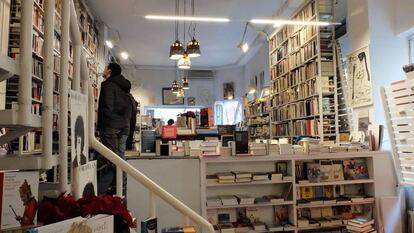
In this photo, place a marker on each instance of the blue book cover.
(149, 225)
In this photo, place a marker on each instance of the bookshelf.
(343, 203)
(257, 117)
(303, 78)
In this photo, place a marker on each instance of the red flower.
(64, 207)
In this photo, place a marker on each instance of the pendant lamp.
(185, 84)
(176, 49)
(181, 92)
(175, 87)
(184, 62)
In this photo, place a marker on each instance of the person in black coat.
(114, 115)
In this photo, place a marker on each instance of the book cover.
(226, 215)
(282, 168)
(355, 169)
(149, 225)
(306, 193)
(253, 214)
(300, 171)
(338, 172)
(281, 214)
(18, 198)
(326, 169)
(241, 139)
(313, 172)
(85, 180)
(328, 192)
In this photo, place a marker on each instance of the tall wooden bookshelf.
(303, 79)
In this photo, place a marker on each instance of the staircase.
(20, 119)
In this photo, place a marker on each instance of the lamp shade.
(176, 50)
(175, 87)
(181, 92)
(185, 84)
(193, 48)
(184, 62)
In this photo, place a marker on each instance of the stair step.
(32, 162)
(10, 119)
(8, 67)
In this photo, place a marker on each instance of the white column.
(63, 118)
(25, 80)
(47, 113)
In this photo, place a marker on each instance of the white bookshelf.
(252, 164)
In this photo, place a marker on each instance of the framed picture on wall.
(169, 98)
(228, 90)
(191, 101)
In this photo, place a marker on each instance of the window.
(165, 113)
(228, 112)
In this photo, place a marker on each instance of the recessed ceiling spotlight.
(124, 55)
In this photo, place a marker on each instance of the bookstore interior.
(245, 116)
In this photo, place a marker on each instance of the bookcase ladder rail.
(140, 177)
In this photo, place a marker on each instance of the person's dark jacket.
(115, 108)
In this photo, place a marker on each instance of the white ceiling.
(148, 41)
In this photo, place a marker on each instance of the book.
(355, 169)
(275, 176)
(326, 171)
(240, 175)
(313, 172)
(361, 222)
(212, 179)
(241, 142)
(252, 214)
(303, 222)
(225, 176)
(214, 201)
(260, 176)
(227, 200)
(19, 194)
(244, 199)
(281, 214)
(274, 198)
(261, 200)
(240, 227)
(368, 228)
(306, 193)
(338, 172)
(274, 227)
(282, 168)
(259, 226)
(243, 180)
(149, 225)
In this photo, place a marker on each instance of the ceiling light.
(174, 87)
(181, 92)
(109, 44)
(188, 18)
(252, 89)
(124, 55)
(244, 47)
(193, 48)
(292, 22)
(184, 62)
(176, 50)
(185, 84)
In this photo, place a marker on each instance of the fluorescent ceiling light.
(124, 55)
(277, 22)
(109, 44)
(188, 18)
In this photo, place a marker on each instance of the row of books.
(31, 141)
(331, 170)
(37, 43)
(241, 177)
(256, 108)
(258, 120)
(37, 91)
(242, 199)
(339, 200)
(304, 108)
(256, 226)
(259, 131)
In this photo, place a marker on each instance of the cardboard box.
(18, 198)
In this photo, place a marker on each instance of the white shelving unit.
(252, 164)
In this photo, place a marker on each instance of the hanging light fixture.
(175, 88)
(181, 92)
(184, 62)
(176, 49)
(185, 84)
(193, 46)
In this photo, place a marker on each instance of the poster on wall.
(169, 98)
(359, 78)
(205, 96)
(228, 91)
(80, 145)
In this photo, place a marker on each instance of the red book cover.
(169, 132)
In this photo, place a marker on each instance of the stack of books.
(186, 229)
(212, 179)
(242, 177)
(260, 176)
(225, 177)
(361, 225)
(257, 148)
(245, 199)
(228, 200)
(214, 201)
(210, 148)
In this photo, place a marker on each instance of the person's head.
(112, 69)
(170, 122)
(25, 192)
(79, 136)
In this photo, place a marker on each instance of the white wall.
(404, 17)
(259, 63)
